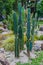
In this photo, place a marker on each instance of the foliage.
(23, 2)
(41, 37)
(7, 6)
(1, 7)
(25, 38)
(15, 7)
(10, 22)
(8, 44)
(38, 38)
(40, 22)
(40, 8)
(36, 61)
(11, 41)
(35, 38)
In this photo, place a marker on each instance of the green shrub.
(8, 44)
(35, 38)
(41, 37)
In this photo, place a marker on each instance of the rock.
(7, 53)
(32, 55)
(7, 33)
(3, 58)
(2, 29)
(1, 24)
(1, 36)
(2, 50)
(9, 56)
(13, 63)
(22, 57)
(37, 48)
(41, 46)
(41, 63)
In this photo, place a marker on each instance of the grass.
(37, 61)
(40, 22)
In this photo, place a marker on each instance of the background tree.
(1, 10)
(40, 8)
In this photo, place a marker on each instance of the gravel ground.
(23, 57)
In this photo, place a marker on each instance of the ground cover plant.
(37, 61)
(40, 22)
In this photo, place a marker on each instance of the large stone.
(1, 37)
(41, 46)
(38, 45)
(36, 48)
(1, 24)
(3, 59)
(2, 50)
(32, 55)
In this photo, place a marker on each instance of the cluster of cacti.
(18, 29)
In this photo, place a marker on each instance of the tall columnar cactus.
(19, 11)
(20, 32)
(15, 23)
(23, 15)
(28, 31)
(36, 20)
(16, 35)
(32, 31)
